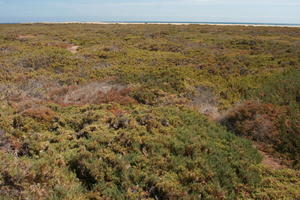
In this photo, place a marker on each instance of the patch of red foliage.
(257, 121)
(93, 93)
(57, 95)
(117, 96)
(115, 110)
(40, 113)
(22, 104)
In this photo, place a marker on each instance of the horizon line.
(156, 22)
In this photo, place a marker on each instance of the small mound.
(265, 123)
(257, 121)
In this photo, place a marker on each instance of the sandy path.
(268, 160)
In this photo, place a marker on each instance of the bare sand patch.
(70, 47)
(73, 48)
(175, 24)
(268, 160)
(206, 102)
(25, 37)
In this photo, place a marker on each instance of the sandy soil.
(133, 23)
(73, 48)
(268, 160)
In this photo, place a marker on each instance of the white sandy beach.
(167, 23)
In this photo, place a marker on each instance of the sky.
(256, 11)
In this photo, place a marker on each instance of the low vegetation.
(149, 112)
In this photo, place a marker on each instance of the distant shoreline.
(198, 23)
(171, 23)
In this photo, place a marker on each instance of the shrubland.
(148, 111)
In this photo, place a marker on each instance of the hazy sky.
(280, 11)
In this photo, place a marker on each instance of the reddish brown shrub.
(58, 94)
(257, 121)
(92, 93)
(40, 113)
(117, 111)
(12, 145)
(23, 104)
(116, 96)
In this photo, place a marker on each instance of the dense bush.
(276, 121)
(104, 111)
(260, 122)
(44, 58)
(283, 90)
(161, 153)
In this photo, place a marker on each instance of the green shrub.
(155, 153)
